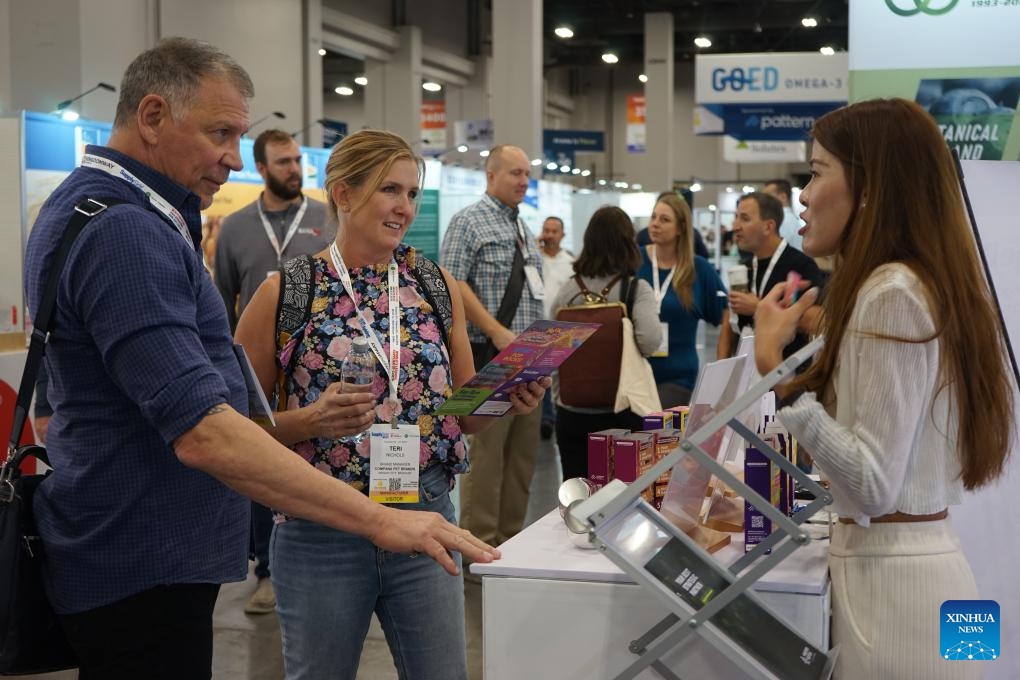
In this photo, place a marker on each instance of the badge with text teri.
(393, 477)
(969, 630)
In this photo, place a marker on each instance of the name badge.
(663, 349)
(395, 455)
(534, 281)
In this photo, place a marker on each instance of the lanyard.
(392, 367)
(657, 286)
(755, 286)
(157, 201)
(271, 235)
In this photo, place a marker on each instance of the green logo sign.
(930, 7)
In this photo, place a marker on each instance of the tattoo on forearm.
(218, 408)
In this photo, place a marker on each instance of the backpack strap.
(293, 309)
(433, 285)
(628, 289)
(591, 298)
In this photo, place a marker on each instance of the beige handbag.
(636, 389)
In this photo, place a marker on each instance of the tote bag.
(636, 389)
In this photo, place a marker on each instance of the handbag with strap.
(590, 377)
(31, 638)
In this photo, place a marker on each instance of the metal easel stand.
(618, 507)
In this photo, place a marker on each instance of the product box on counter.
(763, 477)
(600, 454)
(657, 420)
(634, 455)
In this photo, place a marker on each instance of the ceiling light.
(729, 190)
(602, 182)
(610, 58)
(575, 171)
(748, 189)
(431, 86)
(69, 115)
(696, 187)
(624, 185)
(536, 162)
(564, 32)
(484, 153)
(322, 52)
(712, 207)
(636, 187)
(551, 165)
(642, 77)
(345, 90)
(827, 51)
(361, 80)
(702, 41)
(462, 148)
(809, 22)
(585, 173)
(564, 168)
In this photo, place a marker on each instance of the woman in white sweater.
(910, 402)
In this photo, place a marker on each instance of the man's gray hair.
(174, 69)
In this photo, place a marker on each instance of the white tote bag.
(637, 390)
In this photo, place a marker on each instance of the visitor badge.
(663, 349)
(395, 456)
(534, 282)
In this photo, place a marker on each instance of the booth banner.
(433, 127)
(957, 59)
(636, 123)
(476, 134)
(763, 151)
(770, 78)
(707, 122)
(423, 234)
(561, 145)
(791, 122)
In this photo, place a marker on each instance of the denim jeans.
(328, 583)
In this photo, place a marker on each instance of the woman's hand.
(342, 410)
(775, 325)
(526, 397)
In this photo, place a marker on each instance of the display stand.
(707, 598)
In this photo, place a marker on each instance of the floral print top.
(425, 379)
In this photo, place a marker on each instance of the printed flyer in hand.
(535, 353)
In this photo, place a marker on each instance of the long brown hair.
(609, 246)
(908, 208)
(683, 279)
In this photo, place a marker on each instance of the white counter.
(553, 610)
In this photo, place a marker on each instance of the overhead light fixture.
(748, 189)
(729, 190)
(484, 153)
(322, 51)
(636, 187)
(563, 32)
(536, 162)
(67, 114)
(695, 187)
(551, 165)
(809, 22)
(361, 80)
(585, 173)
(602, 182)
(430, 86)
(564, 168)
(702, 41)
(642, 77)
(827, 51)
(344, 90)
(712, 207)
(575, 171)
(610, 58)
(462, 148)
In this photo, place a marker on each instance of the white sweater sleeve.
(889, 385)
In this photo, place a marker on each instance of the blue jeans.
(328, 583)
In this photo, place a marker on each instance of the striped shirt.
(479, 248)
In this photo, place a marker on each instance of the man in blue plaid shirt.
(479, 249)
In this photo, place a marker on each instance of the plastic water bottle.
(358, 369)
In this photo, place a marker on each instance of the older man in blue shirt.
(143, 516)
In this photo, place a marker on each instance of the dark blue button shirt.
(141, 350)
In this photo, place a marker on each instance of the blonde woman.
(687, 290)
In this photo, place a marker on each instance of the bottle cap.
(360, 341)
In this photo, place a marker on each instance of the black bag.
(31, 640)
(483, 352)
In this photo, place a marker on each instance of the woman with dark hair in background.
(608, 260)
(687, 289)
(910, 401)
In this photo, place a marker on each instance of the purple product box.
(763, 477)
(633, 455)
(658, 420)
(600, 454)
